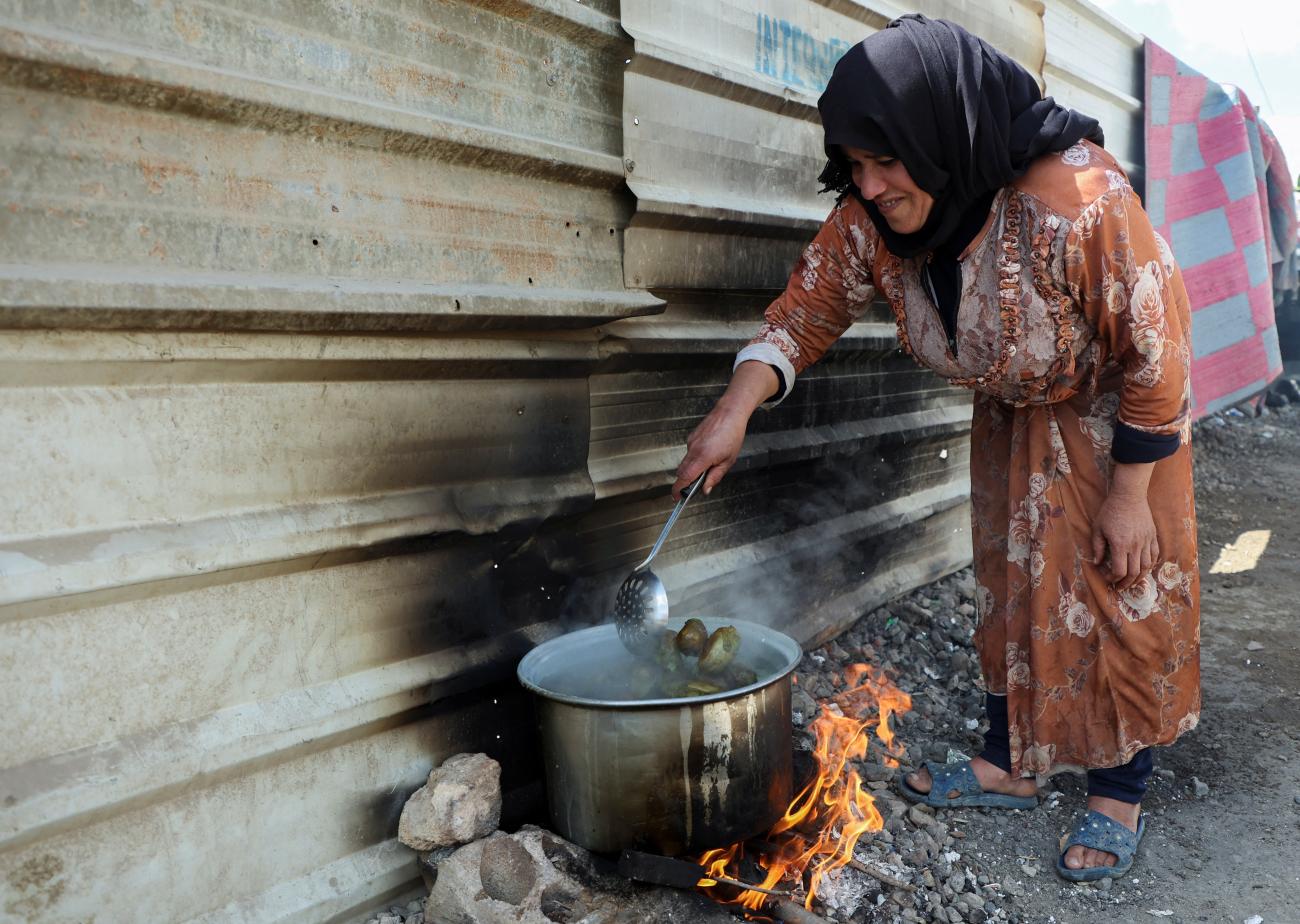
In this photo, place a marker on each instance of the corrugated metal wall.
(1094, 64)
(339, 366)
(297, 302)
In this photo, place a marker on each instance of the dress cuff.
(766, 353)
(1134, 445)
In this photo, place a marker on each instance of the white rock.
(1254, 919)
(460, 803)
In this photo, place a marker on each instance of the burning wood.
(824, 821)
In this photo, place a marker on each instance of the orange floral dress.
(1073, 317)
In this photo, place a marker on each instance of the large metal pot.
(670, 776)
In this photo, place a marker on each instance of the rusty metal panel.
(722, 140)
(298, 308)
(1094, 64)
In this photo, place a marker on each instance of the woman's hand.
(1123, 532)
(715, 444)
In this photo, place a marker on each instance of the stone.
(483, 883)
(460, 803)
(506, 871)
(1104, 885)
(1201, 789)
(561, 904)
(1253, 645)
(873, 772)
(1288, 389)
(919, 818)
(388, 918)
(802, 706)
(427, 861)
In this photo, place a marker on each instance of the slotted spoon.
(641, 607)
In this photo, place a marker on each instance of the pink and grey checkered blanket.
(1207, 164)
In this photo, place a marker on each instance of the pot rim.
(774, 639)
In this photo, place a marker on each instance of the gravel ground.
(1224, 805)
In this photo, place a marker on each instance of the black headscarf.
(964, 119)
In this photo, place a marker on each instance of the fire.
(824, 821)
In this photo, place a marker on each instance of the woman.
(1018, 263)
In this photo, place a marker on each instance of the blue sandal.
(1098, 832)
(958, 776)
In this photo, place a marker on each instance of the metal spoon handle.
(672, 518)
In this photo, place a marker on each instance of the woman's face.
(885, 182)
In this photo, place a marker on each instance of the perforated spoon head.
(641, 612)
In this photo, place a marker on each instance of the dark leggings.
(1127, 783)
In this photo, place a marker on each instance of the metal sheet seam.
(1118, 97)
(50, 358)
(570, 19)
(661, 200)
(36, 57)
(329, 893)
(876, 16)
(73, 788)
(662, 61)
(86, 295)
(654, 467)
(81, 562)
(1097, 15)
(896, 514)
(641, 336)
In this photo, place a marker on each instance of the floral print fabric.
(1073, 318)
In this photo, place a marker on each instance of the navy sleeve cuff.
(1132, 445)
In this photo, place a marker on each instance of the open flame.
(822, 826)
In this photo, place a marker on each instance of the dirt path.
(1230, 854)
